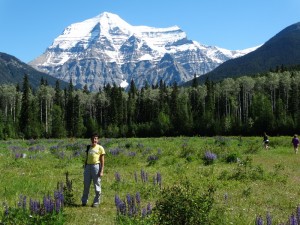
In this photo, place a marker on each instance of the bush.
(209, 158)
(183, 204)
(232, 157)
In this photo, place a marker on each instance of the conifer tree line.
(241, 106)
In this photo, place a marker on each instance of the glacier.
(106, 49)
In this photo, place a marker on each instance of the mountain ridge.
(106, 49)
(281, 49)
(13, 70)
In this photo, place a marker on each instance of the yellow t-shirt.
(93, 156)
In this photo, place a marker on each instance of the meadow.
(247, 180)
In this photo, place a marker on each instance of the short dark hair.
(94, 135)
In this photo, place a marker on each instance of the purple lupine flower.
(117, 201)
(33, 206)
(158, 179)
(293, 220)
(20, 201)
(143, 176)
(152, 158)
(77, 154)
(129, 202)
(32, 148)
(138, 198)
(140, 145)
(36, 148)
(131, 154)
(298, 214)
(120, 205)
(15, 148)
(24, 202)
(59, 196)
(149, 209)
(269, 218)
(117, 176)
(159, 151)
(144, 212)
(131, 205)
(259, 221)
(115, 151)
(154, 180)
(58, 205)
(209, 157)
(47, 203)
(54, 148)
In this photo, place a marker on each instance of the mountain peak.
(107, 49)
(110, 21)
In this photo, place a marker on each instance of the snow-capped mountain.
(106, 49)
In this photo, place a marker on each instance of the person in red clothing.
(295, 142)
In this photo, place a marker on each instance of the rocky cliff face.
(105, 49)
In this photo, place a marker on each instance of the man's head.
(94, 138)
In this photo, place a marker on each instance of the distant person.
(93, 170)
(266, 141)
(295, 142)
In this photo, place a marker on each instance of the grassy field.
(249, 180)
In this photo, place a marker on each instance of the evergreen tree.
(79, 128)
(58, 129)
(58, 98)
(85, 89)
(195, 82)
(262, 113)
(131, 104)
(208, 122)
(69, 112)
(25, 108)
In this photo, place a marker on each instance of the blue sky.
(28, 27)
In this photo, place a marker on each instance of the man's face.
(94, 140)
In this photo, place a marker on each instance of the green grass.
(268, 182)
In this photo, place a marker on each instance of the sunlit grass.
(271, 187)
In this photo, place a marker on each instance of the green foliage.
(58, 129)
(183, 204)
(241, 190)
(49, 211)
(232, 157)
(20, 216)
(209, 158)
(188, 152)
(69, 198)
(242, 106)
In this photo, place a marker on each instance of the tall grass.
(248, 181)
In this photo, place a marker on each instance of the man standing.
(93, 171)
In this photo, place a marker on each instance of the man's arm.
(102, 165)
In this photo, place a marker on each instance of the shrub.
(209, 158)
(232, 157)
(187, 152)
(183, 204)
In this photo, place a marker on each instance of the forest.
(247, 105)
